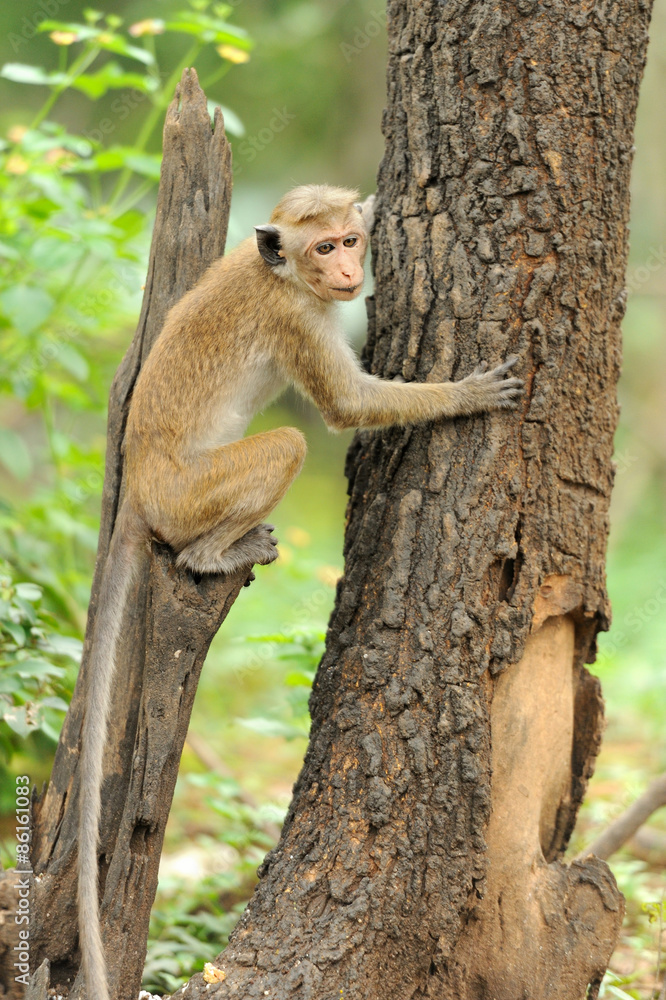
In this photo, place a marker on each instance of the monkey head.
(317, 237)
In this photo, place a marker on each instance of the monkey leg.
(230, 491)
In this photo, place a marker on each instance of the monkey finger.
(252, 576)
(512, 360)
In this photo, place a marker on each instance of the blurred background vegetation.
(82, 99)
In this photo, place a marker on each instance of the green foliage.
(193, 918)
(75, 222)
(302, 649)
(37, 669)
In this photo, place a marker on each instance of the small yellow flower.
(212, 974)
(16, 164)
(329, 575)
(17, 132)
(151, 26)
(298, 537)
(64, 37)
(286, 554)
(58, 155)
(233, 54)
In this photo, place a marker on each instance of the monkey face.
(333, 265)
(327, 257)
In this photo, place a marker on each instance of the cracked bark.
(454, 723)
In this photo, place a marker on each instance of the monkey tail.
(119, 572)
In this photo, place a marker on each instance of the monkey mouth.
(352, 288)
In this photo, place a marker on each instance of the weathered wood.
(454, 725)
(169, 621)
(39, 983)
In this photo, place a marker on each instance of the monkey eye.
(325, 248)
(351, 241)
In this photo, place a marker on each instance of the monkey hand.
(490, 390)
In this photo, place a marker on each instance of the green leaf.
(300, 678)
(74, 362)
(22, 73)
(117, 157)
(15, 631)
(232, 123)
(59, 704)
(210, 29)
(64, 645)
(29, 591)
(26, 306)
(112, 76)
(50, 253)
(14, 453)
(117, 44)
(29, 615)
(145, 164)
(37, 668)
(16, 718)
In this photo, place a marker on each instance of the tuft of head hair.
(314, 203)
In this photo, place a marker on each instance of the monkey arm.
(349, 397)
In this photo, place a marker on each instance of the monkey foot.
(256, 546)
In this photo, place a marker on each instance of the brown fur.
(248, 329)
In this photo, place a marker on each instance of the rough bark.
(454, 725)
(169, 621)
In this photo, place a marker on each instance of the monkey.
(260, 318)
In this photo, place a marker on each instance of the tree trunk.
(168, 623)
(454, 725)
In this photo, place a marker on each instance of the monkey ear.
(358, 206)
(269, 244)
